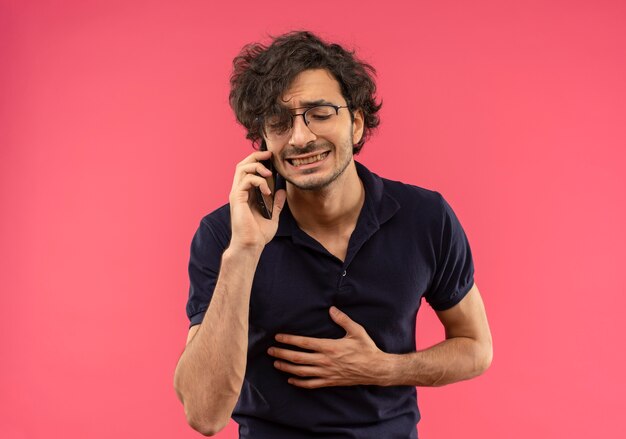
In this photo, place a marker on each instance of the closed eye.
(320, 117)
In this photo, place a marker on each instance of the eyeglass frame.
(309, 108)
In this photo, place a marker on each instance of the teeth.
(308, 160)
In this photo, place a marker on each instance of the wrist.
(243, 251)
(384, 370)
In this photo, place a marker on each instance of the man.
(310, 330)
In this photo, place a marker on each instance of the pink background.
(116, 138)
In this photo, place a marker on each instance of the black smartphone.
(265, 203)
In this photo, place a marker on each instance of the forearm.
(455, 359)
(210, 372)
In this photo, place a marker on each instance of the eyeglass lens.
(320, 120)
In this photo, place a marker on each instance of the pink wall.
(116, 138)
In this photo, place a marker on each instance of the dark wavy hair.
(261, 74)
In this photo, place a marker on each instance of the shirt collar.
(379, 205)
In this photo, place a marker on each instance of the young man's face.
(311, 161)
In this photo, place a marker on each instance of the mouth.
(308, 160)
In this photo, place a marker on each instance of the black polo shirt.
(407, 245)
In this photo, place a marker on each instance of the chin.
(311, 185)
(312, 182)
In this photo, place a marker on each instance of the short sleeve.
(454, 273)
(207, 246)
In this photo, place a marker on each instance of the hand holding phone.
(265, 203)
(249, 225)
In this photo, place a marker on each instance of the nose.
(301, 135)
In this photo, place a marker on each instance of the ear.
(357, 126)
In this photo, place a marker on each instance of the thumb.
(344, 321)
(279, 202)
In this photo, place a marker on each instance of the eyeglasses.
(320, 119)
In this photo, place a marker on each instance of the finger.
(279, 202)
(301, 371)
(253, 168)
(255, 157)
(296, 356)
(241, 192)
(312, 383)
(253, 180)
(345, 322)
(310, 343)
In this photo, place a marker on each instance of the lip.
(299, 157)
(309, 165)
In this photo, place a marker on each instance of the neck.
(331, 209)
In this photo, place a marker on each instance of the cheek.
(276, 152)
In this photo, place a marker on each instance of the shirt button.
(344, 273)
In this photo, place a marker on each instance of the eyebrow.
(306, 104)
